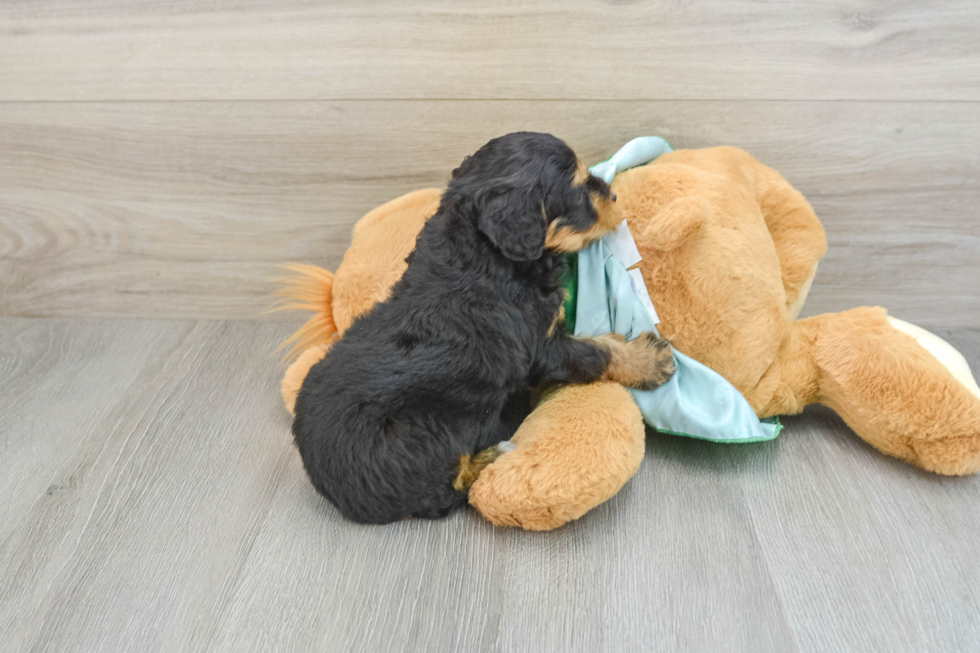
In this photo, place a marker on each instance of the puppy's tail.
(471, 466)
(310, 288)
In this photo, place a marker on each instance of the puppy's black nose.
(613, 197)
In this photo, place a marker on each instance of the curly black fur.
(443, 368)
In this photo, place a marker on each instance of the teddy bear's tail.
(310, 288)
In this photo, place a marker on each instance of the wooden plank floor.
(151, 499)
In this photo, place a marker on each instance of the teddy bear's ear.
(676, 222)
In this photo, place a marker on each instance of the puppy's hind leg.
(471, 466)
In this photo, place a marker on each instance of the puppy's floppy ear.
(515, 223)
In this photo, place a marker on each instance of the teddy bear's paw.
(645, 362)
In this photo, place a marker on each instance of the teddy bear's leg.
(292, 381)
(903, 390)
(574, 451)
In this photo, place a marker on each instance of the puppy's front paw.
(645, 363)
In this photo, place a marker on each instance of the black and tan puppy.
(443, 369)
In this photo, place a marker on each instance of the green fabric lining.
(569, 284)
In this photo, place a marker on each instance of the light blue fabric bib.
(697, 402)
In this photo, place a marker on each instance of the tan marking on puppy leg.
(645, 362)
(559, 318)
(565, 239)
(471, 466)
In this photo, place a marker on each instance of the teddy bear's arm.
(796, 232)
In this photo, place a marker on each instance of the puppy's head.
(530, 192)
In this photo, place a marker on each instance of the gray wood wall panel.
(184, 209)
(507, 49)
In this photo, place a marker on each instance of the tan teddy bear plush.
(729, 252)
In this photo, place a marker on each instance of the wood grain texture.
(88, 367)
(147, 518)
(183, 209)
(507, 49)
(157, 504)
